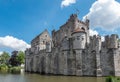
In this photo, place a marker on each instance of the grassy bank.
(9, 69)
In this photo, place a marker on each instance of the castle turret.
(79, 43)
(79, 39)
(73, 17)
(87, 21)
(114, 41)
(74, 20)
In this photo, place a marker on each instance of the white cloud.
(105, 14)
(66, 3)
(1, 52)
(93, 32)
(102, 38)
(13, 43)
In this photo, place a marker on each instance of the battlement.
(111, 41)
(74, 18)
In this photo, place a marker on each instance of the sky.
(22, 20)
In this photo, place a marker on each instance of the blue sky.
(22, 20)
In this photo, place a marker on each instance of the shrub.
(112, 79)
(3, 68)
(15, 70)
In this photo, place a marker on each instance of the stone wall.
(71, 52)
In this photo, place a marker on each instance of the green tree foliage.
(13, 60)
(17, 58)
(4, 57)
(21, 57)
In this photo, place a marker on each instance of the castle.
(71, 51)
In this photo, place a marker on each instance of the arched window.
(83, 28)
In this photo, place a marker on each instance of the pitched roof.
(41, 34)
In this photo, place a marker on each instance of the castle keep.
(71, 51)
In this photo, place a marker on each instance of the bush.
(15, 70)
(9, 69)
(112, 79)
(3, 68)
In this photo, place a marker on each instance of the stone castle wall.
(96, 60)
(71, 51)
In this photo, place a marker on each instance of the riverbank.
(27, 77)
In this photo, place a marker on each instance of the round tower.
(79, 39)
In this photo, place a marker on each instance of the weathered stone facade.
(71, 51)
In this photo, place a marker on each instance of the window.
(43, 42)
(82, 38)
(83, 28)
(45, 35)
(78, 37)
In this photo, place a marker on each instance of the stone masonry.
(71, 51)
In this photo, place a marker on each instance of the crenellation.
(114, 41)
(107, 41)
(71, 51)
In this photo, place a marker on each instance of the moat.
(44, 78)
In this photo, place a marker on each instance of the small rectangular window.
(82, 38)
(78, 37)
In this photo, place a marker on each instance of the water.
(44, 78)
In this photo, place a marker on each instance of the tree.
(13, 60)
(17, 58)
(21, 57)
(4, 58)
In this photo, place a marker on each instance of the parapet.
(95, 42)
(111, 41)
(73, 16)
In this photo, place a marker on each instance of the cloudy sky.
(22, 20)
